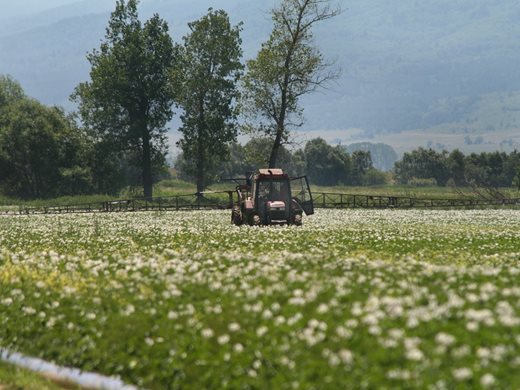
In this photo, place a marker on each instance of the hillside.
(440, 73)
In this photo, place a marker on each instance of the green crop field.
(353, 299)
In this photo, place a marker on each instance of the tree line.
(329, 165)
(487, 169)
(140, 78)
(324, 164)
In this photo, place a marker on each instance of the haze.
(437, 73)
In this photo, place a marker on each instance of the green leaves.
(128, 101)
(205, 81)
(37, 145)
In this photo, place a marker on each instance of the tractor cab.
(272, 190)
(269, 198)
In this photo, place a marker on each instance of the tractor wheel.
(236, 216)
(297, 220)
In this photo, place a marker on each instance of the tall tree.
(361, 164)
(41, 152)
(206, 81)
(326, 165)
(287, 67)
(128, 101)
(422, 164)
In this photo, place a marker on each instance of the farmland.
(354, 298)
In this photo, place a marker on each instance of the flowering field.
(353, 299)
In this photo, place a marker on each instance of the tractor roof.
(271, 172)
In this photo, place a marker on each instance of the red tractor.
(272, 197)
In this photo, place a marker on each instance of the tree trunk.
(200, 168)
(147, 166)
(276, 148)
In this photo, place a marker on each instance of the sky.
(16, 8)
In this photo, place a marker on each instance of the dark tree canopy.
(206, 85)
(326, 165)
(41, 152)
(128, 101)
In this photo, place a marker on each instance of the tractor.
(270, 196)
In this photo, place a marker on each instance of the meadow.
(353, 299)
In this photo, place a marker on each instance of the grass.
(61, 201)
(173, 187)
(15, 378)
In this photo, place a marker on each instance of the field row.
(352, 299)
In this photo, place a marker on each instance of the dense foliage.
(206, 83)
(324, 164)
(128, 101)
(495, 169)
(42, 152)
(400, 299)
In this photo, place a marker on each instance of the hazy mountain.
(414, 71)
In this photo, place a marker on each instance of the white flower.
(346, 356)
(444, 339)
(462, 374)
(130, 309)
(461, 352)
(487, 380)
(343, 332)
(28, 310)
(224, 339)
(207, 333)
(483, 353)
(279, 320)
(414, 354)
(40, 284)
(261, 331)
(234, 327)
(322, 308)
(398, 374)
(396, 333)
(238, 347)
(267, 314)
(334, 360)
